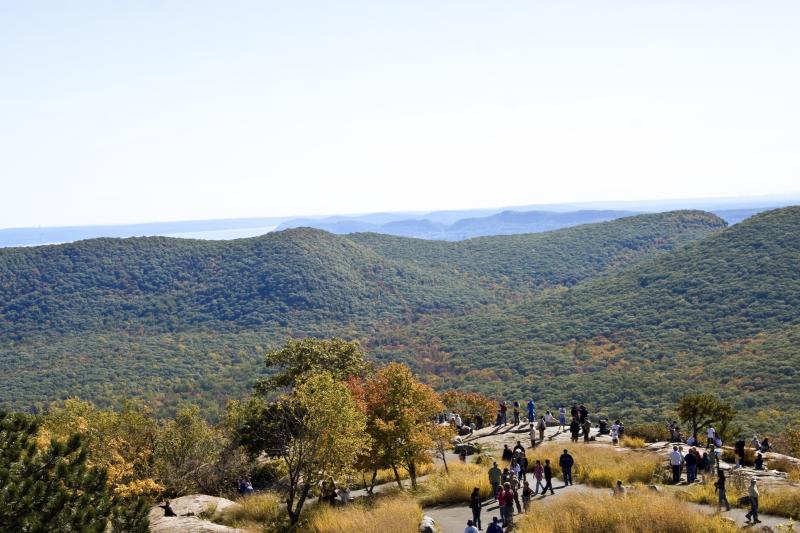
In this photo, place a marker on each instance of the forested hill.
(167, 320)
(306, 278)
(719, 314)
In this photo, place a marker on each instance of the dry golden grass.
(779, 501)
(386, 475)
(633, 513)
(254, 513)
(632, 442)
(601, 466)
(399, 513)
(441, 489)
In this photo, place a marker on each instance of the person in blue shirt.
(495, 526)
(531, 412)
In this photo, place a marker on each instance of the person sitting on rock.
(168, 509)
(765, 445)
(759, 462)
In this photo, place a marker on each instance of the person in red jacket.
(506, 501)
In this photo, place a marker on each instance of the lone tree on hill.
(700, 410)
(53, 489)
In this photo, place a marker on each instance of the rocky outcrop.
(193, 506)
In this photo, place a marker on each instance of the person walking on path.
(470, 527)
(753, 493)
(565, 462)
(711, 435)
(691, 466)
(675, 461)
(719, 487)
(548, 477)
(526, 496)
(475, 506)
(538, 473)
(506, 501)
(531, 411)
(495, 526)
(495, 474)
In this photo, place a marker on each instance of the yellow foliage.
(441, 489)
(780, 501)
(257, 512)
(632, 442)
(633, 513)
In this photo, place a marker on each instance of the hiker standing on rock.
(531, 411)
(710, 436)
(574, 429)
(516, 413)
(565, 462)
(587, 429)
(541, 425)
(676, 461)
(753, 493)
(562, 418)
(475, 506)
(719, 487)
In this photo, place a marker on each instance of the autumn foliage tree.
(469, 404)
(400, 415)
(700, 410)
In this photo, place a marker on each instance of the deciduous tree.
(700, 410)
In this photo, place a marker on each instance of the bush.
(649, 431)
(645, 513)
(259, 511)
(398, 513)
(443, 489)
(728, 455)
(780, 501)
(632, 442)
(783, 464)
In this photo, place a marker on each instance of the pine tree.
(53, 489)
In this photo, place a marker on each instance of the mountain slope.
(644, 335)
(166, 319)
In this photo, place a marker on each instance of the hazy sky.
(164, 110)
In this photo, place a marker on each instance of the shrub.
(649, 431)
(783, 464)
(780, 501)
(729, 456)
(398, 513)
(632, 442)
(442, 489)
(256, 512)
(636, 512)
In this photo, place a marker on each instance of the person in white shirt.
(470, 527)
(711, 433)
(676, 460)
(614, 433)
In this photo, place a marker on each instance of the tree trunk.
(412, 473)
(372, 481)
(397, 477)
(444, 459)
(294, 514)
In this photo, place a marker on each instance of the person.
(516, 413)
(753, 493)
(503, 414)
(574, 411)
(506, 502)
(478, 421)
(523, 464)
(759, 462)
(602, 427)
(574, 429)
(532, 433)
(675, 461)
(765, 445)
(614, 433)
(618, 489)
(705, 464)
(518, 447)
(565, 462)
(691, 441)
(583, 412)
(168, 509)
(475, 506)
(711, 434)
(526, 496)
(548, 477)
(494, 479)
(754, 443)
(739, 447)
(541, 427)
(562, 418)
(538, 474)
(470, 527)
(495, 526)
(531, 411)
(549, 419)
(505, 477)
(587, 430)
(507, 453)
(719, 487)
(515, 489)
(344, 495)
(515, 468)
(462, 457)
(691, 466)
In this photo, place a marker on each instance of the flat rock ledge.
(196, 504)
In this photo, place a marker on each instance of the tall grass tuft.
(776, 500)
(442, 489)
(399, 513)
(632, 442)
(254, 513)
(601, 466)
(633, 513)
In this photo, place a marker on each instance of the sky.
(122, 112)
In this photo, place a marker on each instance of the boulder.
(467, 449)
(192, 505)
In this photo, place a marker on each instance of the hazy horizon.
(117, 114)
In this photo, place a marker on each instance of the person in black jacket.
(565, 462)
(548, 477)
(475, 505)
(574, 429)
(691, 466)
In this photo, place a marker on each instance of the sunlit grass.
(442, 489)
(632, 442)
(399, 513)
(780, 501)
(633, 513)
(254, 513)
(386, 475)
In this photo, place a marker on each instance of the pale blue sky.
(115, 112)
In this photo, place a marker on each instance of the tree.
(53, 489)
(469, 404)
(301, 358)
(700, 410)
(793, 439)
(316, 430)
(400, 418)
